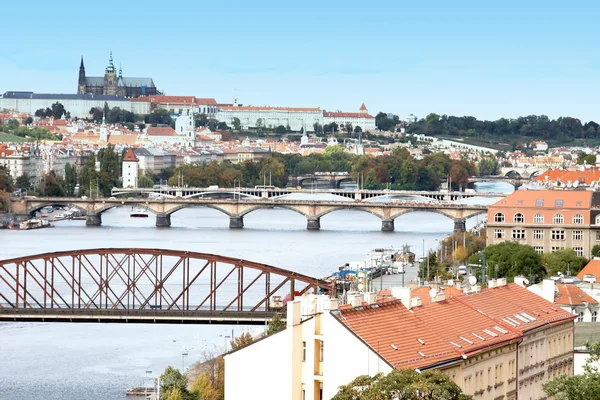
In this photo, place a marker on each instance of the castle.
(113, 84)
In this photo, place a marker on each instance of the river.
(53, 361)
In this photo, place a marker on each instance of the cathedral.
(114, 84)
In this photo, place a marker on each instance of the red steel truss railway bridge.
(146, 286)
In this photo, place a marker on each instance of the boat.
(138, 212)
(35, 223)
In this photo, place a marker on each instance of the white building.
(78, 105)
(252, 116)
(19, 163)
(180, 105)
(362, 119)
(130, 169)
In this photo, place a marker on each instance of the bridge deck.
(136, 316)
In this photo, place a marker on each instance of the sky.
(488, 59)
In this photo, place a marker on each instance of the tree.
(405, 384)
(23, 182)
(596, 250)
(510, 259)
(97, 113)
(160, 116)
(202, 388)
(28, 121)
(172, 379)
(52, 185)
(357, 129)
(237, 125)
(578, 387)
(240, 341)
(280, 129)
(70, 179)
(144, 181)
(58, 110)
(259, 124)
(562, 261)
(222, 126)
(488, 166)
(460, 254)
(6, 182)
(174, 394)
(275, 324)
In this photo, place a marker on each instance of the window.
(579, 251)
(558, 235)
(580, 317)
(539, 249)
(577, 235)
(303, 351)
(556, 248)
(578, 219)
(558, 219)
(539, 203)
(518, 234)
(597, 236)
(594, 316)
(538, 219)
(499, 233)
(538, 234)
(598, 219)
(321, 351)
(519, 218)
(558, 203)
(499, 217)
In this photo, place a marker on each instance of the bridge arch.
(146, 285)
(182, 206)
(37, 207)
(343, 207)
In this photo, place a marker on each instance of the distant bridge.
(334, 179)
(517, 181)
(236, 209)
(146, 286)
(275, 193)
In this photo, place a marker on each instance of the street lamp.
(183, 362)
(146, 387)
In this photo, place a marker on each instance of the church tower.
(81, 83)
(110, 78)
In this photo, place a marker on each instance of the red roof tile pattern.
(423, 293)
(269, 108)
(130, 156)
(161, 131)
(363, 107)
(571, 295)
(592, 268)
(527, 199)
(587, 176)
(515, 307)
(330, 114)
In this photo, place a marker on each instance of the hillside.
(6, 137)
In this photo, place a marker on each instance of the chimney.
(491, 284)
(416, 301)
(355, 299)
(548, 290)
(521, 281)
(438, 297)
(371, 297)
(331, 305)
(501, 282)
(402, 294)
(294, 312)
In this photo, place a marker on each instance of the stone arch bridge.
(313, 210)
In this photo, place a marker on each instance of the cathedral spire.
(111, 65)
(81, 65)
(120, 71)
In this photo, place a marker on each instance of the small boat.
(137, 212)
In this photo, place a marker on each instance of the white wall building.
(130, 169)
(23, 163)
(361, 118)
(249, 116)
(78, 105)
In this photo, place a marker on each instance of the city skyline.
(460, 59)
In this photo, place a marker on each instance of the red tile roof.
(329, 114)
(516, 307)
(269, 108)
(527, 199)
(363, 107)
(593, 268)
(130, 155)
(587, 176)
(443, 331)
(571, 295)
(423, 293)
(161, 131)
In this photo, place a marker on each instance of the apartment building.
(502, 342)
(547, 220)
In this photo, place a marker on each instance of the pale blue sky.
(506, 59)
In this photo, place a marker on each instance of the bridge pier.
(313, 224)
(163, 220)
(93, 220)
(236, 222)
(460, 225)
(387, 225)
